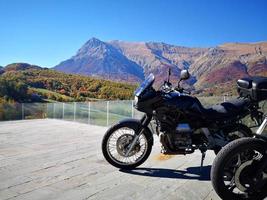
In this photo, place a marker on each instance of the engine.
(182, 136)
(178, 140)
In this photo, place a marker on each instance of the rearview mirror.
(184, 74)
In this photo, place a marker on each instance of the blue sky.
(45, 32)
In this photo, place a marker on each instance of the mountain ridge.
(132, 61)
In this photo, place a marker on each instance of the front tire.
(235, 164)
(122, 134)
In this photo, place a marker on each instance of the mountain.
(1, 69)
(230, 61)
(157, 58)
(100, 59)
(212, 69)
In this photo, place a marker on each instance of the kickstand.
(202, 160)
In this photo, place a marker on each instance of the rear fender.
(239, 127)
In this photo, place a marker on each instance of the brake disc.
(123, 144)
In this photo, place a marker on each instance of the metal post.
(224, 98)
(107, 113)
(74, 111)
(132, 108)
(47, 112)
(63, 110)
(89, 110)
(22, 111)
(54, 107)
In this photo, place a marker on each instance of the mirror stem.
(169, 74)
(179, 83)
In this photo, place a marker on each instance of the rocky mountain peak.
(94, 47)
(101, 59)
(93, 42)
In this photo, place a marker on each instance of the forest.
(21, 82)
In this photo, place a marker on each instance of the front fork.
(262, 126)
(145, 120)
(263, 164)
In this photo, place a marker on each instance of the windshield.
(146, 84)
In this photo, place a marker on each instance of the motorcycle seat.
(227, 109)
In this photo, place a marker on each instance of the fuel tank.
(182, 103)
(176, 108)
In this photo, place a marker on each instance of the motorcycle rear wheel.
(236, 163)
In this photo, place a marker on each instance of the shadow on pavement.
(189, 173)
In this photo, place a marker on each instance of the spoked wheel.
(234, 173)
(123, 149)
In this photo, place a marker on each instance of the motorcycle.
(240, 169)
(182, 123)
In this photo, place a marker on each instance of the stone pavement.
(54, 159)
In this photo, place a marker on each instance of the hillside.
(220, 66)
(20, 67)
(33, 84)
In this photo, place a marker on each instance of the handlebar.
(167, 87)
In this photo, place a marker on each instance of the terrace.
(53, 151)
(56, 159)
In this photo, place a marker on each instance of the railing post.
(107, 113)
(74, 112)
(89, 112)
(47, 112)
(63, 110)
(132, 108)
(54, 108)
(22, 111)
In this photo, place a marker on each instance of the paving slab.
(56, 159)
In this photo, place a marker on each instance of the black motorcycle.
(240, 169)
(181, 122)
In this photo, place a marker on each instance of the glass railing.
(103, 113)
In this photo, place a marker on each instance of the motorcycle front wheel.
(233, 172)
(118, 141)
